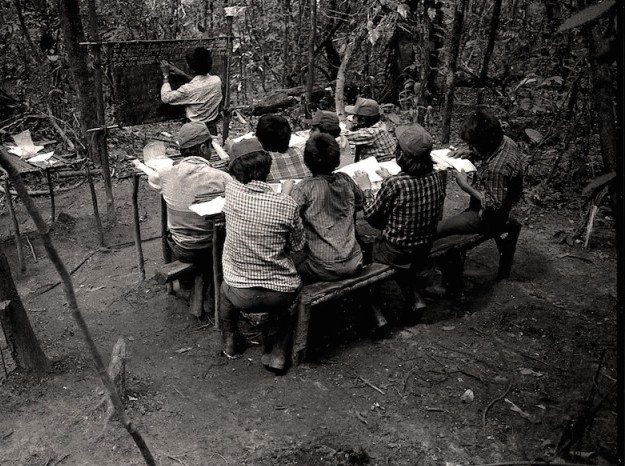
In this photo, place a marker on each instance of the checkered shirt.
(262, 229)
(500, 180)
(407, 208)
(374, 141)
(288, 165)
(328, 204)
(201, 97)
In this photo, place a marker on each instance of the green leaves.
(587, 15)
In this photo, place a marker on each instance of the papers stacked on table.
(442, 161)
(369, 166)
(212, 207)
(276, 186)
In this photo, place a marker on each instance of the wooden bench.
(450, 252)
(176, 270)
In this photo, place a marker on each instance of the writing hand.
(165, 67)
(461, 154)
(287, 186)
(362, 180)
(383, 172)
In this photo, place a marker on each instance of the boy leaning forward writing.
(406, 210)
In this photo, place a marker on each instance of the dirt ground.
(537, 338)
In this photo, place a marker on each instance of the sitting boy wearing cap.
(262, 229)
(369, 134)
(327, 122)
(407, 209)
(190, 235)
(328, 203)
(274, 133)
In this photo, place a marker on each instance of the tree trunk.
(286, 15)
(99, 137)
(20, 17)
(310, 82)
(452, 65)
(73, 34)
(433, 46)
(339, 95)
(490, 46)
(21, 339)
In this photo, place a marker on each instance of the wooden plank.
(172, 271)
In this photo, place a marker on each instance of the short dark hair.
(195, 151)
(482, 130)
(367, 121)
(254, 166)
(200, 60)
(274, 132)
(329, 128)
(322, 154)
(413, 165)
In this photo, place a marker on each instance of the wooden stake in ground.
(68, 286)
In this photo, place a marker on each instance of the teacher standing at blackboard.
(202, 95)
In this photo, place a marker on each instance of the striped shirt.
(374, 141)
(180, 185)
(201, 96)
(288, 165)
(500, 180)
(327, 206)
(407, 208)
(262, 229)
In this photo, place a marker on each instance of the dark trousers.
(203, 260)
(469, 222)
(254, 300)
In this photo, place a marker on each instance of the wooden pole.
(137, 226)
(51, 189)
(227, 111)
(70, 295)
(99, 137)
(164, 244)
(16, 229)
(94, 203)
(490, 46)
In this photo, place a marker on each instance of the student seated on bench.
(190, 235)
(369, 133)
(274, 134)
(328, 203)
(324, 121)
(498, 183)
(407, 209)
(262, 229)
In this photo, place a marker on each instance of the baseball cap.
(244, 147)
(414, 140)
(321, 117)
(363, 107)
(192, 134)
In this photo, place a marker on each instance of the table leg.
(51, 189)
(94, 202)
(216, 271)
(164, 245)
(137, 226)
(16, 229)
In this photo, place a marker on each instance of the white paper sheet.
(442, 160)
(391, 166)
(277, 186)
(368, 165)
(211, 207)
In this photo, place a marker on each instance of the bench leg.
(507, 248)
(300, 334)
(452, 268)
(197, 296)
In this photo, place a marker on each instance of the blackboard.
(136, 76)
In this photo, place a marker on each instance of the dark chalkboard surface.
(137, 78)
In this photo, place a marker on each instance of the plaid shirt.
(262, 228)
(328, 205)
(374, 141)
(201, 95)
(407, 209)
(288, 165)
(500, 180)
